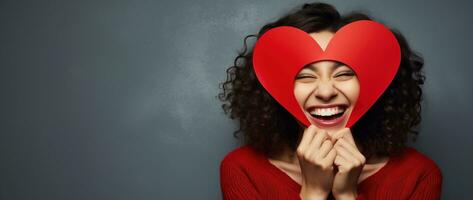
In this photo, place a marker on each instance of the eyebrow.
(334, 66)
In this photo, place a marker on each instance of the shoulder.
(241, 174)
(416, 162)
(241, 156)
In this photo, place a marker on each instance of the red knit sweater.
(248, 174)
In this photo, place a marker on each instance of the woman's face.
(326, 90)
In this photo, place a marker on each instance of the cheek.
(302, 92)
(351, 89)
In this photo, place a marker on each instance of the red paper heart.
(368, 47)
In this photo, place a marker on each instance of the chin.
(331, 126)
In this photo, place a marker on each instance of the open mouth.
(328, 114)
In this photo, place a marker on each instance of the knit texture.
(247, 174)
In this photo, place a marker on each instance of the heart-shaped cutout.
(368, 47)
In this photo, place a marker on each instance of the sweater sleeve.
(235, 183)
(429, 187)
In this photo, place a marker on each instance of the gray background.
(117, 99)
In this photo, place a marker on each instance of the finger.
(343, 133)
(313, 148)
(341, 163)
(319, 137)
(348, 145)
(307, 137)
(348, 134)
(347, 155)
(339, 134)
(325, 148)
(330, 158)
(351, 148)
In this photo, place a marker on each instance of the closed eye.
(346, 74)
(302, 77)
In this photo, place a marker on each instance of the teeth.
(327, 111)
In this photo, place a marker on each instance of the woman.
(281, 159)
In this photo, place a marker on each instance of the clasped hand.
(329, 163)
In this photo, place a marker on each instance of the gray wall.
(117, 99)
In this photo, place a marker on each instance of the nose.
(326, 91)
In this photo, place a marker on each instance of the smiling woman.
(282, 159)
(335, 88)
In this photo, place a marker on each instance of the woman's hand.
(350, 163)
(316, 157)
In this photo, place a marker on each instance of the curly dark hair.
(269, 128)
